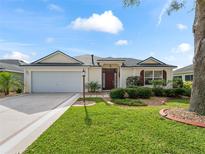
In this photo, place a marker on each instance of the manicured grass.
(129, 102)
(114, 129)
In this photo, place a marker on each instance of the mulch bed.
(184, 116)
(155, 101)
(87, 103)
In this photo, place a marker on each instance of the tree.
(197, 103)
(8, 81)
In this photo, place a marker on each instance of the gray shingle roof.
(185, 69)
(10, 68)
(12, 61)
(87, 59)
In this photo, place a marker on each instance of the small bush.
(132, 92)
(158, 83)
(169, 92)
(187, 85)
(133, 81)
(158, 92)
(117, 93)
(19, 91)
(129, 102)
(177, 83)
(144, 92)
(179, 91)
(187, 92)
(93, 86)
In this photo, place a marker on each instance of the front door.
(109, 79)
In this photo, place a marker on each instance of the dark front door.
(109, 76)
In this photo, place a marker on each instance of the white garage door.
(56, 82)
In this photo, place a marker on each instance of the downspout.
(92, 58)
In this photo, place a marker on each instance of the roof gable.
(58, 57)
(151, 61)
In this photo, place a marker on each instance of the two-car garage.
(56, 81)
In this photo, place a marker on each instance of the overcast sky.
(30, 29)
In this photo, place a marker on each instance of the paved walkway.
(20, 116)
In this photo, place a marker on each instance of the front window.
(188, 77)
(149, 76)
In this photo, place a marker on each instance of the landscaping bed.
(184, 116)
(80, 102)
(129, 102)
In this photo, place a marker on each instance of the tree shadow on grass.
(88, 120)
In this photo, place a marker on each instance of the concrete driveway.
(17, 113)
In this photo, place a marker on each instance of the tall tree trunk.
(198, 89)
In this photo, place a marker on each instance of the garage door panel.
(56, 82)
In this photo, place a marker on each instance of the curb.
(188, 122)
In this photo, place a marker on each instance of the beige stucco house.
(59, 72)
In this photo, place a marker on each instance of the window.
(188, 77)
(149, 76)
(178, 77)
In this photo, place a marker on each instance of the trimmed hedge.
(139, 92)
(144, 92)
(129, 102)
(117, 93)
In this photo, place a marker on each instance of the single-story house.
(59, 72)
(13, 66)
(186, 73)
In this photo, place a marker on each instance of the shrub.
(133, 81)
(158, 91)
(129, 102)
(179, 91)
(117, 93)
(132, 92)
(187, 92)
(187, 85)
(177, 83)
(169, 92)
(144, 92)
(158, 83)
(93, 86)
(19, 90)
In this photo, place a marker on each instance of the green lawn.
(114, 129)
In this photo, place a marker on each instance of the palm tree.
(9, 81)
(197, 103)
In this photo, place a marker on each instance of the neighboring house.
(59, 72)
(185, 73)
(12, 65)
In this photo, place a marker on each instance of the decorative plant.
(177, 83)
(8, 82)
(187, 84)
(133, 81)
(93, 86)
(158, 83)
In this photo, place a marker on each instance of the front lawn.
(112, 129)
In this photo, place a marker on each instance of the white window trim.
(153, 77)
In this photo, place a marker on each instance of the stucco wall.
(95, 74)
(135, 71)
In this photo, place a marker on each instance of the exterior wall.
(28, 71)
(135, 71)
(95, 74)
(183, 74)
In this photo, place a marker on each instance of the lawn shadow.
(88, 120)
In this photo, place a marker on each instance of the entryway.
(109, 78)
